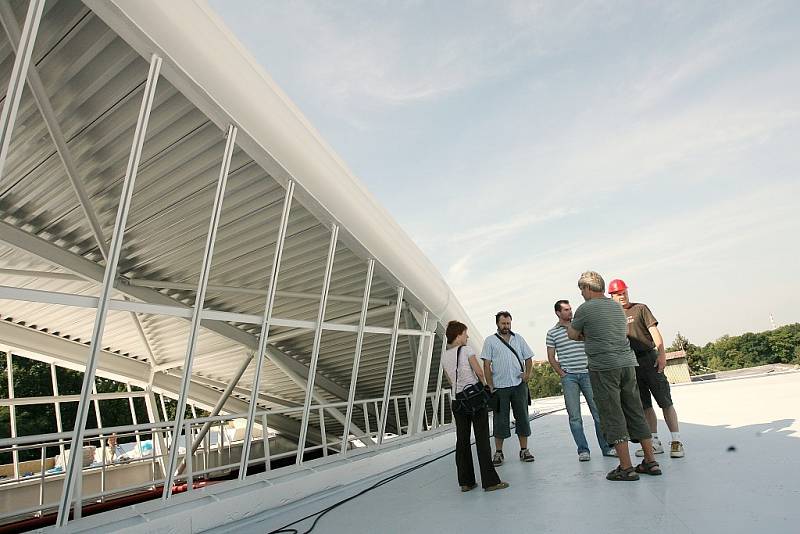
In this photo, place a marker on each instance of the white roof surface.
(756, 487)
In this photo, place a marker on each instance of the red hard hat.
(617, 286)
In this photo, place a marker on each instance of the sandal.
(649, 468)
(622, 475)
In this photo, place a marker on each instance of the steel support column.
(438, 396)
(16, 83)
(422, 373)
(387, 386)
(59, 426)
(265, 324)
(133, 418)
(12, 409)
(157, 436)
(75, 468)
(312, 368)
(362, 322)
(194, 329)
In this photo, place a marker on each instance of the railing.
(202, 459)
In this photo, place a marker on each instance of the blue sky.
(521, 143)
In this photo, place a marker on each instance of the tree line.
(781, 345)
(32, 379)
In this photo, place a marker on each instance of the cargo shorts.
(619, 406)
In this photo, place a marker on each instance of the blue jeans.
(574, 384)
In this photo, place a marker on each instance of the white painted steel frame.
(438, 396)
(54, 381)
(265, 325)
(194, 330)
(74, 469)
(422, 370)
(312, 368)
(362, 322)
(9, 22)
(12, 408)
(16, 82)
(387, 385)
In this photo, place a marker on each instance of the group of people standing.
(611, 351)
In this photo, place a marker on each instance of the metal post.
(165, 417)
(397, 417)
(217, 408)
(387, 386)
(188, 458)
(134, 419)
(265, 438)
(265, 324)
(12, 410)
(421, 378)
(157, 436)
(322, 431)
(16, 83)
(59, 427)
(75, 464)
(312, 368)
(362, 322)
(439, 386)
(200, 297)
(368, 433)
(96, 404)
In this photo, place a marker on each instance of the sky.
(522, 143)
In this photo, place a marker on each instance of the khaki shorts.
(617, 398)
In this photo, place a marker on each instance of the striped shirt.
(570, 353)
(506, 368)
(605, 327)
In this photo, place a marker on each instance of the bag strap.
(458, 359)
(521, 366)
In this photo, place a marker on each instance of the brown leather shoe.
(502, 485)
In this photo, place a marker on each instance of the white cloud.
(707, 246)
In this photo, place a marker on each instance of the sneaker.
(584, 457)
(676, 449)
(657, 448)
(498, 458)
(611, 452)
(526, 456)
(502, 485)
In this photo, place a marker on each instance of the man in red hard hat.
(648, 345)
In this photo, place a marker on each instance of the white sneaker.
(584, 457)
(657, 449)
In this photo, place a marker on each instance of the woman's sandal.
(649, 468)
(624, 475)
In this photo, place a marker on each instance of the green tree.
(544, 381)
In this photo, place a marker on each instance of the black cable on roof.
(287, 530)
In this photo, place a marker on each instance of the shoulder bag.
(521, 365)
(471, 399)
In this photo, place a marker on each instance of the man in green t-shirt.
(600, 323)
(648, 345)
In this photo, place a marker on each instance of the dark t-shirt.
(640, 319)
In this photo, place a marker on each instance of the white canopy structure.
(164, 207)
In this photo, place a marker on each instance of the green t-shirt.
(605, 328)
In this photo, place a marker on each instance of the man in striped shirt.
(572, 366)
